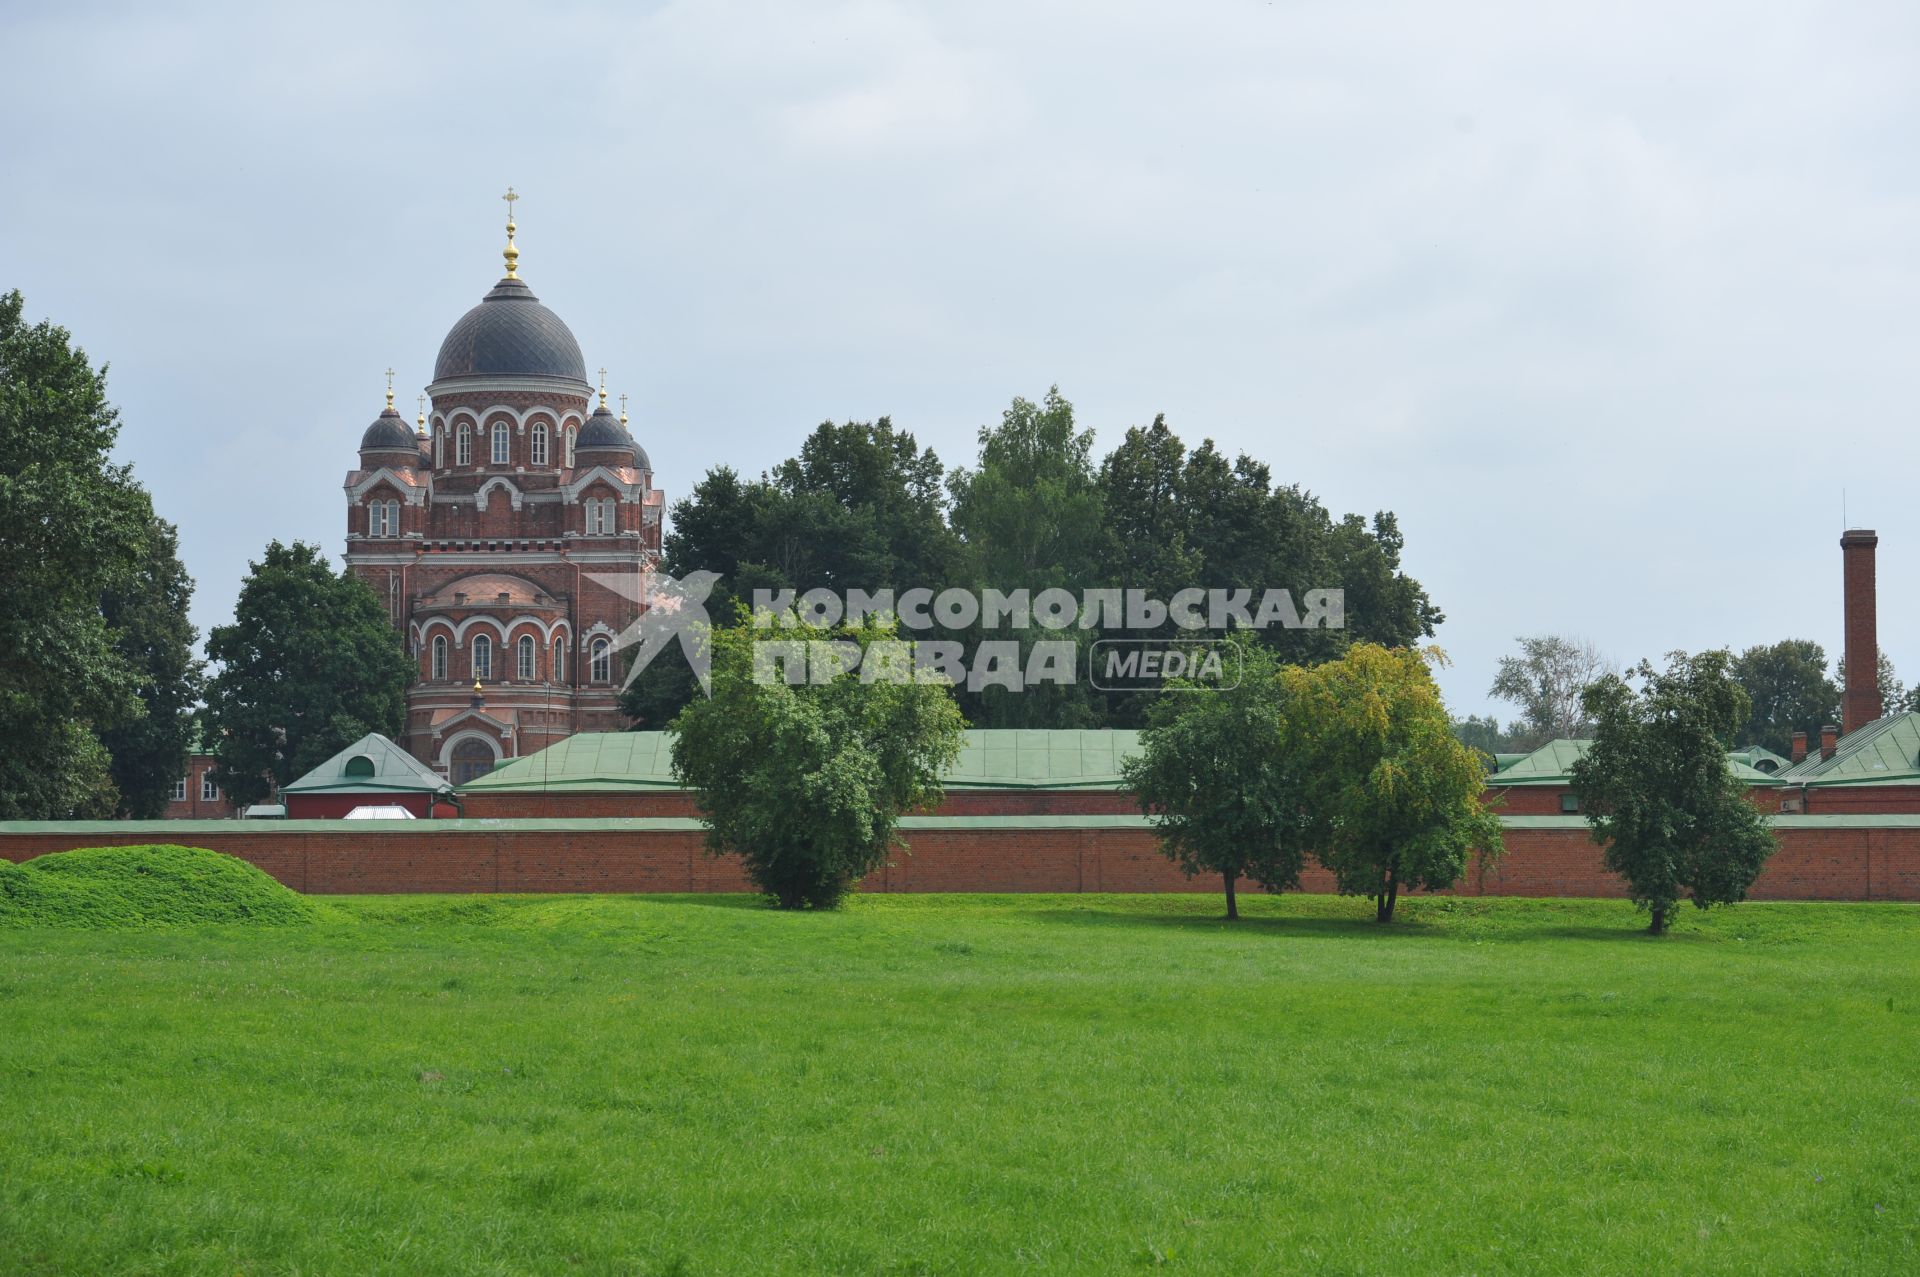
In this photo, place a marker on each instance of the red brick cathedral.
(483, 525)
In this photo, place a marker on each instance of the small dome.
(510, 334)
(389, 433)
(604, 433)
(489, 587)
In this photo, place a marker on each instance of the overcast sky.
(1610, 306)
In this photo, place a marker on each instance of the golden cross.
(509, 197)
(422, 401)
(603, 387)
(623, 407)
(389, 388)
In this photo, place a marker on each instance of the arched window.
(439, 658)
(526, 658)
(600, 668)
(559, 666)
(482, 657)
(500, 443)
(439, 447)
(540, 443)
(358, 765)
(601, 519)
(393, 518)
(471, 759)
(570, 436)
(463, 449)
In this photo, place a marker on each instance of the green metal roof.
(1552, 764)
(600, 761)
(394, 770)
(1885, 751)
(1761, 759)
(1042, 759)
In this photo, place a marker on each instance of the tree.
(1546, 681)
(310, 664)
(148, 614)
(1788, 691)
(73, 526)
(1483, 734)
(1029, 515)
(1894, 697)
(1675, 822)
(1391, 797)
(807, 783)
(1217, 774)
(861, 507)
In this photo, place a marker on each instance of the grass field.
(942, 1084)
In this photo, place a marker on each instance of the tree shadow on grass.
(1244, 925)
(1622, 934)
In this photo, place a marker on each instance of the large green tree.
(1676, 824)
(1788, 691)
(310, 664)
(148, 614)
(1218, 774)
(807, 783)
(1391, 796)
(1029, 514)
(860, 507)
(74, 528)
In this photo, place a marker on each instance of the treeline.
(1787, 685)
(864, 506)
(99, 680)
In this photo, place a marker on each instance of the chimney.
(1862, 703)
(1799, 746)
(1829, 738)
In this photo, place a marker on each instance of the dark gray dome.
(640, 459)
(510, 334)
(604, 433)
(389, 433)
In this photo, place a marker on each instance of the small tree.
(807, 783)
(1392, 796)
(1675, 822)
(1218, 776)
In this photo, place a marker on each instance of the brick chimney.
(1862, 703)
(1799, 746)
(1829, 740)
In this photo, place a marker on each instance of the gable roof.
(394, 770)
(1885, 751)
(988, 760)
(1552, 764)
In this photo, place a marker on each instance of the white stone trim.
(412, 493)
(447, 747)
(514, 495)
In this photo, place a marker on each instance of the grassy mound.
(146, 886)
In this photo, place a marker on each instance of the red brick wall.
(1861, 799)
(1813, 863)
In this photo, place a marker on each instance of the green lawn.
(965, 1084)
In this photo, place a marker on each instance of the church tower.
(488, 526)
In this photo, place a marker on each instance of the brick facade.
(486, 522)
